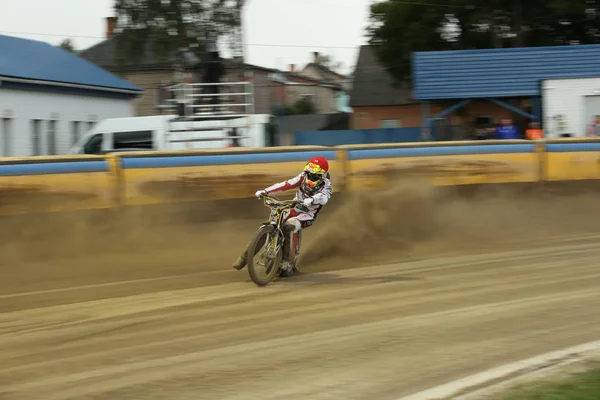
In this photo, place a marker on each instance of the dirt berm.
(409, 221)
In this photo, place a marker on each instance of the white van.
(165, 132)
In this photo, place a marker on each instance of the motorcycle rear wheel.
(271, 264)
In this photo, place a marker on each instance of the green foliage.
(304, 106)
(301, 107)
(165, 27)
(67, 44)
(583, 386)
(328, 62)
(398, 28)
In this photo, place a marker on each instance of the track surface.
(372, 332)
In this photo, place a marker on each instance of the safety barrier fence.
(40, 184)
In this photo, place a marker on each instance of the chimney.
(111, 23)
(316, 57)
(292, 68)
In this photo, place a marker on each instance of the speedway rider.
(314, 190)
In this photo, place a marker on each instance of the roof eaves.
(300, 77)
(92, 48)
(137, 90)
(141, 67)
(324, 70)
(376, 104)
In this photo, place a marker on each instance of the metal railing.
(195, 101)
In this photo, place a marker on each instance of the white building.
(570, 105)
(49, 97)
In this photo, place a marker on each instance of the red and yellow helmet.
(315, 172)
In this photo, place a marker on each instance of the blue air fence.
(44, 184)
(358, 136)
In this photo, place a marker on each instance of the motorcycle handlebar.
(267, 197)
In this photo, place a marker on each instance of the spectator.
(508, 130)
(481, 133)
(534, 132)
(594, 128)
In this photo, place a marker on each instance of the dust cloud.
(414, 220)
(411, 220)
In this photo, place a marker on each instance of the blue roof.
(34, 60)
(512, 72)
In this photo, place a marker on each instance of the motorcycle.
(269, 239)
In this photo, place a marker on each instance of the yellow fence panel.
(152, 178)
(59, 183)
(451, 163)
(79, 182)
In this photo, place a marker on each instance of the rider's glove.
(308, 201)
(260, 193)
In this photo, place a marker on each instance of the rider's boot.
(240, 263)
(287, 264)
(242, 260)
(288, 230)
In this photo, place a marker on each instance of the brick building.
(152, 73)
(380, 102)
(465, 89)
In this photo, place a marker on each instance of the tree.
(67, 44)
(304, 106)
(166, 28)
(301, 107)
(329, 63)
(398, 28)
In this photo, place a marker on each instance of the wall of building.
(312, 72)
(324, 98)
(262, 87)
(73, 115)
(372, 117)
(315, 73)
(149, 81)
(410, 116)
(569, 105)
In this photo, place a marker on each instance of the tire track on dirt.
(379, 331)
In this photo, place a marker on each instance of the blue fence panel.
(572, 147)
(51, 168)
(358, 136)
(441, 151)
(221, 159)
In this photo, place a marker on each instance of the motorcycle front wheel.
(262, 268)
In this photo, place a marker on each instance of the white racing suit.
(296, 218)
(301, 217)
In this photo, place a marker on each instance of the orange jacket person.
(534, 132)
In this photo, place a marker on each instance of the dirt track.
(465, 286)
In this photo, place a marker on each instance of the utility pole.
(237, 40)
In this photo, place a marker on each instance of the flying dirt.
(399, 290)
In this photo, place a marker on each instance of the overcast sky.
(278, 32)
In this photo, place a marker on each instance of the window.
(484, 121)
(6, 137)
(233, 133)
(390, 123)
(271, 132)
(75, 132)
(51, 139)
(94, 144)
(306, 97)
(36, 137)
(132, 140)
(163, 95)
